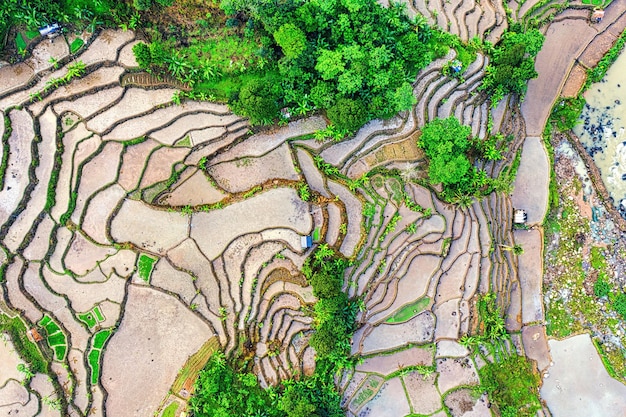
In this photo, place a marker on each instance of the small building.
(520, 217)
(34, 335)
(597, 16)
(306, 242)
(50, 31)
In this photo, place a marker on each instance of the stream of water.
(602, 130)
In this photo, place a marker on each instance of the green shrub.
(601, 288)
(142, 4)
(512, 385)
(291, 40)
(619, 304)
(142, 55)
(165, 3)
(258, 100)
(24, 347)
(347, 114)
(567, 112)
(512, 63)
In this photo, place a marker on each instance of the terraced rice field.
(143, 229)
(126, 220)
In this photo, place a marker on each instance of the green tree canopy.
(258, 100)
(513, 63)
(291, 39)
(347, 114)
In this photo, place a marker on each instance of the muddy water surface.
(602, 129)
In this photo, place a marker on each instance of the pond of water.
(602, 130)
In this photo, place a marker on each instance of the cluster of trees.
(452, 152)
(512, 63)
(353, 59)
(223, 389)
(226, 388)
(334, 312)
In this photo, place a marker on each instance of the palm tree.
(517, 249)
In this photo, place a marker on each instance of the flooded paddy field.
(602, 130)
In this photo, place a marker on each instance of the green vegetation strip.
(597, 73)
(194, 364)
(6, 149)
(98, 313)
(93, 358)
(94, 363)
(27, 350)
(92, 317)
(100, 338)
(145, 264)
(409, 311)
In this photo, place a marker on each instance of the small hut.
(597, 16)
(34, 335)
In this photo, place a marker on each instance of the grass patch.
(28, 351)
(559, 321)
(184, 142)
(512, 386)
(145, 264)
(59, 352)
(88, 318)
(20, 42)
(100, 338)
(409, 311)
(170, 410)
(76, 45)
(32, 34)
(98, 313)
(94, 363)
(57, 339)
(50, 326)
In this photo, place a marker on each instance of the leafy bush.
(601, 288)
(512, 385)
(445, 143)
(619, 304)
(220, 391)
(347, 114)
(291, 39)
(142, 4)
(26, 349)
(142, 55)
(225, 390)
(567, 112)
(257, 100)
